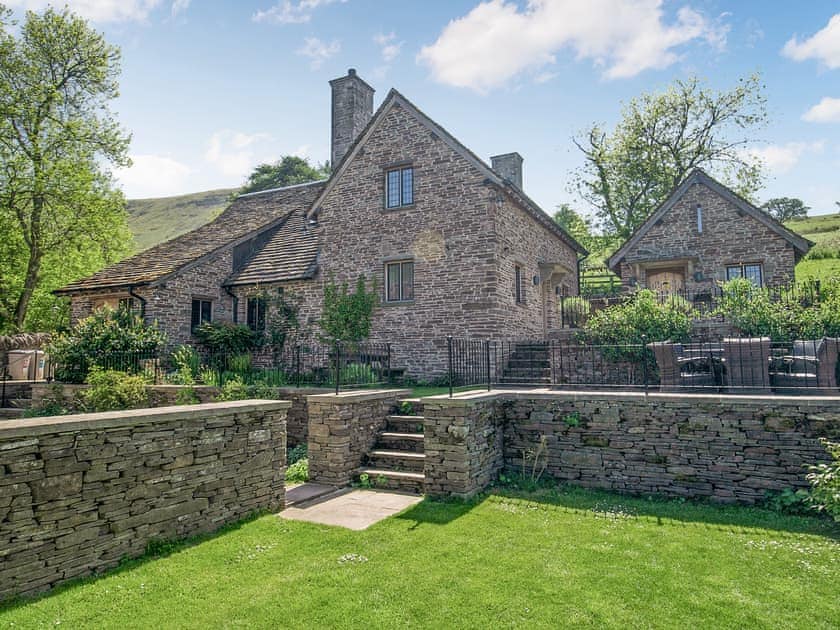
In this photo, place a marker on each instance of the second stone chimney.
(352, 108)
(509, 167)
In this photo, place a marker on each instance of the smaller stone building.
(704, 234)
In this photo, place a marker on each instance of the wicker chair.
(747, 361)
(812, 365)
(678, 371)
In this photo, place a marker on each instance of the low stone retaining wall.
(727, 448)
(78, 493)
(297, 421)
(343, 428)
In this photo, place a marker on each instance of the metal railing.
(732, 365)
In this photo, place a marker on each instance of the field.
(555, 558)
(154, 221)
(823, 261)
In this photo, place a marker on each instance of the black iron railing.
(733, 365)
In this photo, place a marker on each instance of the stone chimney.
(509, 167)
(352, 108)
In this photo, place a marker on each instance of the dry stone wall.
(79, 493)
(726, 448)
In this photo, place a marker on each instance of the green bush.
(297, 462)
(226, 338)
(825, 482)
(105, 335)
(234, 389)
(187, 365)
(346, 316)
(111, 390)
(641, 317)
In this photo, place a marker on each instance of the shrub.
(99, 338)
(187, 364)
(297, 462)
(346, 316)
(825, 482)
(226, 338)
(234, 389)
(111, 390)
(576, 310)
(641, 317)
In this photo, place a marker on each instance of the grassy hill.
(154, 221)
(823, 261)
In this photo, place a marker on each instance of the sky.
(209, 88)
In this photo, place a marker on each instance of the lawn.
(553, 559)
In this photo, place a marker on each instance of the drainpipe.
(140, 299)
(235, 304)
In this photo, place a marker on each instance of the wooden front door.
(666, 280)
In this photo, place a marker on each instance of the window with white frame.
(399, 187)
(399, 281)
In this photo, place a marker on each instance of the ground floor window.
(202, 311)
(399, 281)
(256, 314)
(750, 271)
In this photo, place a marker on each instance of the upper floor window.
(751, 272)
(399, 281)
(201, 313)
(256, 313)
(517, 285)
(399, 187)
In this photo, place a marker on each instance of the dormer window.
(399, 187)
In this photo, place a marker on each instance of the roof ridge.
(282, 188)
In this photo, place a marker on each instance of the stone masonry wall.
(726, 448)
(343, 428)
(463, 445)
(79, 493)
(728, 238)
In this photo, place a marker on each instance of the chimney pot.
(508, 166)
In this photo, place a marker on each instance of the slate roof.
(290, 254)
(699, 176)
(246, 216)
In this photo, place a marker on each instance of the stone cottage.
(455, 245)
(704, 234)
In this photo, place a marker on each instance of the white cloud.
(153, 176)
(235, 153)
(318, 51)
(179, 6)
(824, 45)
(289, 12)
(781, 158)
(95, 10)
(389, 47)
(497, 41)
(827, 110)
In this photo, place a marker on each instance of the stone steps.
(8, 413)
(398, 459)
(20, 403)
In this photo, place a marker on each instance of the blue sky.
(210, 88)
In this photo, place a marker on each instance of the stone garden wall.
(79, 493)
(727, 448)
(343, 428)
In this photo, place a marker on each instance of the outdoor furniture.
(747, 361)
(684, 367)
(811, 365)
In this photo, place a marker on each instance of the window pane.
(407, 273)
(205, 311)
(393, 191)
(392, 282)
(252, 313)
(753, 274)
(733, 272)
(196, 314)
(407, 186)
(517, 283)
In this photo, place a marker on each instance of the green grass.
(547, 560)
(821, 269)
(420, 392)
(154, 221)
(823, 261)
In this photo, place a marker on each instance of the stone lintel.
(129, 417)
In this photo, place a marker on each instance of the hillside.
(823, 261)
(154, 221)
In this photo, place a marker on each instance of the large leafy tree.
(659, 139)
(60, 215)
(288, 171)
(786, 208)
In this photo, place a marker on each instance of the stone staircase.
(398, 459)
(15, 407)
(529, 363)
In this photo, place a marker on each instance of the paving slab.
(357, 509)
